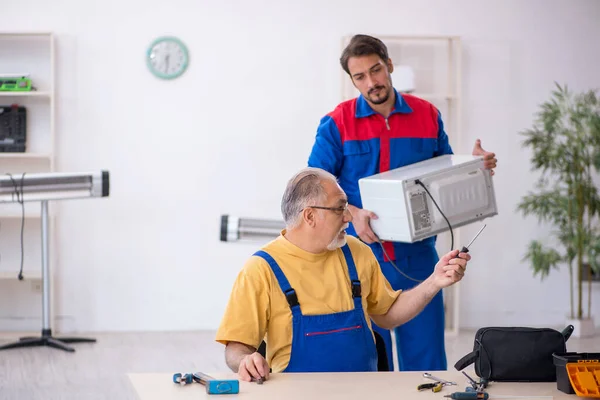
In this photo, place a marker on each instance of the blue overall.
(338, 342)
(420, 341)
(353, 141)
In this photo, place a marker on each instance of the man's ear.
(390, 65)
(309, 216)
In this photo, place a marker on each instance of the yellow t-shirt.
(257, 308)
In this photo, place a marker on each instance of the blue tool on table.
(468, 396)
(213, 386)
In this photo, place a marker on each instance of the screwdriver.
(485, 396)
(466, 249)
(468, 395)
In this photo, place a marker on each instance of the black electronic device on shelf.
(13, 129)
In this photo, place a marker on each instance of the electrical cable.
(20, 199)
(418, 182)
(394, 265)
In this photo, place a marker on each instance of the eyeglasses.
(337, 210)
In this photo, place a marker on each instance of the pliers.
(435, 386)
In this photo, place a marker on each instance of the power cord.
(418, 182)
(394, 265)
(20, 200)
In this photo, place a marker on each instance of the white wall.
(225, 137)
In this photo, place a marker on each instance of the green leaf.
(548, 206)
(565, 146)
(542, 260)
(594, 260)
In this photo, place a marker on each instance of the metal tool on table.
(475, 386)
(445, 382)
(468, 396)
(182, 379)
(213, 386)
(477, 392)
(435, 386)
(217, 386)
(485, 396)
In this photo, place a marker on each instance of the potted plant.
(565, 145)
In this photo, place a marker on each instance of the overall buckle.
(356, 288)
(292, 297)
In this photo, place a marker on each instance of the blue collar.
(363, 109)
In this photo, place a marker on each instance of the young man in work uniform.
(312, 292)
(376, 132)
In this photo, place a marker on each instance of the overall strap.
(356, 288)
(288, 291)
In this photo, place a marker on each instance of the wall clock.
(167, 57)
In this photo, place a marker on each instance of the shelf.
(33, 210)
(32, 53)
(434, 96)
(4, 33)
(32, 93)
(9, 215)
(14, 211)
(406, 38)
(41, 156)
(27, 275)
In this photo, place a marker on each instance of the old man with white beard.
(312, 292)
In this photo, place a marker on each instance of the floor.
(98, 370)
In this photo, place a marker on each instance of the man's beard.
(337, 242)
(380, 100)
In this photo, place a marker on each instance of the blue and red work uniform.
(354, 141)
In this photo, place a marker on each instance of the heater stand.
(46, 339)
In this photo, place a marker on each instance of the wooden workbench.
(330, 386)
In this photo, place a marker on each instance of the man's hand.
(244, 360)
(253, 366)
(410, 303)
(361, 219)
(489, 159)
(450, 269)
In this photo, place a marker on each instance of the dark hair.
(363, 45)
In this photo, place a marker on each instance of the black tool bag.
(515, 354)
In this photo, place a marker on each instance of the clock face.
(167, 57)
